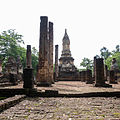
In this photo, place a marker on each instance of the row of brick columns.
(45, 65)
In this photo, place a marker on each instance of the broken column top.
(44, 18)
(56, 46)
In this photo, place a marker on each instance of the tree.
(87, 63)
(97, 56)
(10, 42)
(105, 53)
(117, 49)
(109, 60)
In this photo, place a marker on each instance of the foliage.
(87, 63)
(10, 42)
(53, 67)
(117, 49)
(97, 56)
(2, 98)
(105, 53)
(109, 60)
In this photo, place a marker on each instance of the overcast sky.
(90, 24)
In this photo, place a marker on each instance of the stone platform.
(99, 108)
(71, 87)
(62, 108)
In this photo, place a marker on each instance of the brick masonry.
(44, 68)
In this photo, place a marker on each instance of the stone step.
(9, 102)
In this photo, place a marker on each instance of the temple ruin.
(67, 69)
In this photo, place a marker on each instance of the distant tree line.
(106, 55)
(11, 45)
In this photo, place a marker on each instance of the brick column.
(99, 73)
(51, 52)
(28, 57)
(112, 79)
(89, 77)
(56, 62)
(43, 66)
(28, 71)
(94, 69)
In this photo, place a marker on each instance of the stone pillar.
(51, 51)
(28, 57)
(56, 62)
(94, 69)
(99, 73)
(89, 77)
(28, 71)
(43, 65)
(112, 79)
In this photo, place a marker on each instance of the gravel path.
(64, 109)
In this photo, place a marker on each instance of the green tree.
(117, 49)
(105, 53)
(10, 45)
(109, 60)
(87, 63)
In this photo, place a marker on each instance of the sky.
(90, 24)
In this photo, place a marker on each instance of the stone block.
(28, 78)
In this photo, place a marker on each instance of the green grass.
(1, 98)
(117, 115)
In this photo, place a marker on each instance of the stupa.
(66, 61)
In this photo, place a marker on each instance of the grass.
(117, 115)
(1, 98)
